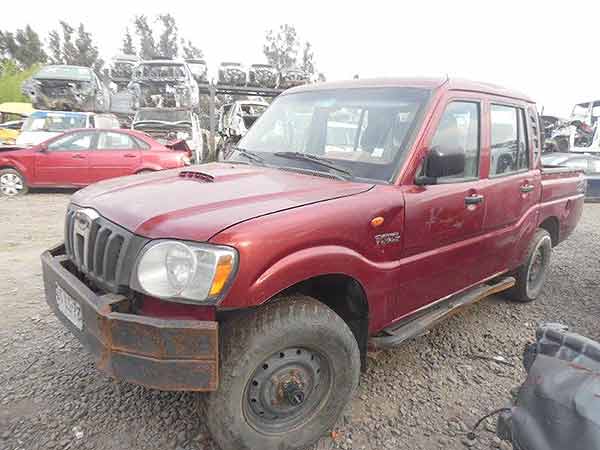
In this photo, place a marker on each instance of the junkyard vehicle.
(557, 133)
(589, 164)
(9, 131)
(199, 70)
(292, 77)
(43, 125)
(80, 157)
(232, 73)
(555, 408)
(12, 117)
(67, 88)
(264, 279)
(163, 84)
(120, 70)
(168, 126)
(234, 121)
(262, 75)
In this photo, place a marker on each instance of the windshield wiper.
(323, 162)
(250, 155)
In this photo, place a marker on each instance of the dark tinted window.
(458, 130)
(523, 153)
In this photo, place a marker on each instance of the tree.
(68, 50)
(167, 43)
(128, 47)
(148, 49)
(281, 47)
(24, 47)
(190, 51)
(55, 48)
(87, 52)
(308, 65)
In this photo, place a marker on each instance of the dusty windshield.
(54, 122)
(362, 131)
(160, 72)
(163, 115)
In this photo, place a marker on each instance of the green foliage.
(128, 48)
(281, 47)
(308, 65)
(167, 43)
(74, 47)
(190, 51)
(24, 47)
(11, 80)
(148, 49)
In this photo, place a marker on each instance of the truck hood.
(197, 202)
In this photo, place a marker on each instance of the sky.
(547, 49)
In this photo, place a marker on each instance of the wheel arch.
(552, 226)
(18, 168)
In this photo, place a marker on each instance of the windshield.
(121, 69)
(364, 131)
(160, 71)
(163, 115)
(54, 122)
(65, 72)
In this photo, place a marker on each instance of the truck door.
(443, 221)
(514, 181)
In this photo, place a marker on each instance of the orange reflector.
(377, 221)
(224, 267)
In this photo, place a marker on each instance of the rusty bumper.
(170, 355)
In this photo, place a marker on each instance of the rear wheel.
(287, 371)
(532, 275)
(12, 183)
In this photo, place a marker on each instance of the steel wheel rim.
(11, 184)
(538, 266)
(286, 390)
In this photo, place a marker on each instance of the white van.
(43, 125)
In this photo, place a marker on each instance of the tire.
(12, 183)
(311, 353)
(530, 280)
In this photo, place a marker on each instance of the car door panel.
(65, 161)
(116, 155)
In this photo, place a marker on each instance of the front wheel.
(531, 276)
(287, 371)
(12, 183)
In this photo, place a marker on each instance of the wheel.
(12, 183)
(287, 371)
(531, 275)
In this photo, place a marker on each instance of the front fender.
(9, 163)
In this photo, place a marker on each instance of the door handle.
(78, 156)
(527, 188)
(474, 199)
(129, 155)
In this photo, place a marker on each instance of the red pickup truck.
(81, 157)
(351, 215)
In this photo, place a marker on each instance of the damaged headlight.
(184, 271)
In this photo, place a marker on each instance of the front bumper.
(165, 354)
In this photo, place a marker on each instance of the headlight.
(184, 271)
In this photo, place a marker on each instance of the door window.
(458, 130)
(509, 151)
(115, 141)
(72, 142)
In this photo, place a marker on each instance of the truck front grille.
(101, 250)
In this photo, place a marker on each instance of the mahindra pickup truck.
(264, 279)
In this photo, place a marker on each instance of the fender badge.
(387, 238)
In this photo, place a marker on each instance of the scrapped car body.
(84, 156)
(163, 84)
(199, 70)
(43, 125)
(557, 134)
(67, 88)
(265, 278)
(292, 77)
(262, 75)
(120, 70)
(232, 73)
(234, 121)
(169, 126)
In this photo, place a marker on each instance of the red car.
(350, 215)
(81, 157)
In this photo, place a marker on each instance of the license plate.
(69, 307)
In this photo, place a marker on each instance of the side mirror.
(441, 162)
(43, 147)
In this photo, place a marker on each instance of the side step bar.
(415, 326)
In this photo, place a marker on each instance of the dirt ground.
(423, 395)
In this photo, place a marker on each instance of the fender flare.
(6, 163)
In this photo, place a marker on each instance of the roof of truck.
(451, 84)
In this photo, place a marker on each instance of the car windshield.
(363, 131)
(163, 115)
(122, 69)
(161, 71)
(54, 122)
(65, 72)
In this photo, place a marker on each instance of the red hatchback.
(81, 157)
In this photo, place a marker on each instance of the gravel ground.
(423, 395)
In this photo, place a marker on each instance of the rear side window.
(115, 141)
(535, 133)
(459, 130)
(510, 149)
